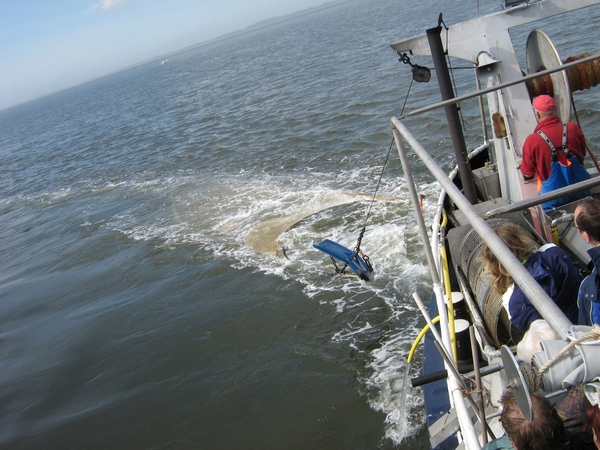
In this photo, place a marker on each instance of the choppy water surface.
(159, 288)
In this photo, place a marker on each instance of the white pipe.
(455, 394)
(439, 294)
(454, 386)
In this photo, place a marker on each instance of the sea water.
(159, 288)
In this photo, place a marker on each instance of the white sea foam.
(220, 214)
(394, 395)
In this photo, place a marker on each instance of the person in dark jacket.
(587, 221)
(545, 431)
(549, 265)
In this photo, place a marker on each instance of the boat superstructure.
(486, 189)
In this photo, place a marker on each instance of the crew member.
(549, 265)
(554, 152)
(587, 221)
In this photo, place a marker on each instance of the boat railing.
(437, 219)
(585, 185)
(540, 300)
(457, 398)
(497, 87)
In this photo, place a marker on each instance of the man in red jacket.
(554, 152)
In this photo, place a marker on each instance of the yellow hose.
(555, 237)
(413, 349)
(444, 219)
(448, 289)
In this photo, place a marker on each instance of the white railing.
(540, 300)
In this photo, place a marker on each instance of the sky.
(50, 45)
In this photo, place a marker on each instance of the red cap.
(544, 103)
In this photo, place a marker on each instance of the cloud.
(105, 5)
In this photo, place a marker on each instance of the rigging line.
(337, 269)
(375, 193)
(407, 94)
(387, 157)
(589, 151)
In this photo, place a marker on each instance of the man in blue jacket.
(587, 221)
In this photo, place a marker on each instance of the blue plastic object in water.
(358, 265)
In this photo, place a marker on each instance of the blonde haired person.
(549, 265)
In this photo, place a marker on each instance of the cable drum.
(467, 255)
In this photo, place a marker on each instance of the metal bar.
(488, 349)
(437, 287)
(415, 201)
(467, 395)
(482, 113)
(435, 226)
(534, 292)
(432, 327)
(478, 387)
(458, 139)
(455, 383)
(500, 86)
(441, 374)
(538, 200)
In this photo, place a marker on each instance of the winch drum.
(467, 255)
